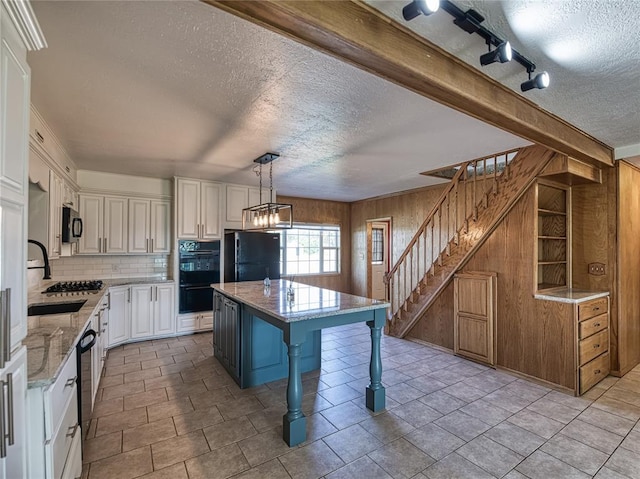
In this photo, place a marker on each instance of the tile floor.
(167, 409)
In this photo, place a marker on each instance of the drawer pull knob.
(596, 309)
(70, 382)
(597, 325)
(72, 431)
(596, 346)
(597, 371)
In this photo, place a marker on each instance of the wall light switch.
(596, 269)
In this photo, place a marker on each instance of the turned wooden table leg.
(294, 423)
(375, 393)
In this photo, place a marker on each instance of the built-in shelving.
(552, 223)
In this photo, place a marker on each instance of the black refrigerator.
(251, 256)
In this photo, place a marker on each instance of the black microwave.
(71, 225)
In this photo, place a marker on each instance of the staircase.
(479, 196)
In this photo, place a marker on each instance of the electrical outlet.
(115, 267)
(596, 269)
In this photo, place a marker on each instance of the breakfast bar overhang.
(297, 310)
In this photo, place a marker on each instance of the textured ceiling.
(591, 49)
(181, 88)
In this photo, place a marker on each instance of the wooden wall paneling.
(326, 212)
(628, 332)
(407, 211)
(359, 34)
(436, 325)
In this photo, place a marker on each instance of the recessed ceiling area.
(180, 88)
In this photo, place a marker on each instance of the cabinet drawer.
(58, 449)
(58, 395)
(591, 326)
(73, 464)
(593, 372)
(592, 308)
(593, 346)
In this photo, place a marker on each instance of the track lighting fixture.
(502, 54)
(540, 81)
(471, 22)
(416, 7)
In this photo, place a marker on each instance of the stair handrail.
(430, 219)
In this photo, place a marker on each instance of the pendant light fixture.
(268, 215)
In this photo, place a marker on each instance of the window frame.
(313, 227)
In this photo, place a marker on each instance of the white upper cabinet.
(239, 197)
(104, 221)
(56, 192)
(198, 209)
(14, 110)
(149, 230)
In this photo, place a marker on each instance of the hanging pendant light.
(268, 215)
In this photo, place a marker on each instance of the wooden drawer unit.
(593, 346)
(593, 308)
(591, 326)
(593, 372)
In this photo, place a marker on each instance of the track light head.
(540, 81)
(502, 54)
(417, 7)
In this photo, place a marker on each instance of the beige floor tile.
(593, 436)
(175, 407)
(178, 449)
(541, 465)
(269, 470)
(352, 443)
(401, 458)
(177, 471)
(515, 438)
(434, 441)
(462, 425)
(264, 446)
(123, 466)
(387, 427)
(170, 380)
(208, 399)
(120, 421)
(197, 419)
(229, 432)
(108, 406)
(607, 421)
(157, 362)
(456, 466)
(218, 464)
(114, 380)
(173, 349)
(102, 447)
(575, 453)
(363, 467)
(186, 389)
(141, 375)
(536, 423)
(490, 456)
(146, 434)
(146, 398)
(122, 369)
(126, 389)
(311, 461)
(239, 407)
(176, 368)
(140, 357)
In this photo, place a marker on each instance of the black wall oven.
(199, 267)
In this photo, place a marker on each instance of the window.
(310, 249)
(377, 245)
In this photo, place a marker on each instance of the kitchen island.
(299, 311)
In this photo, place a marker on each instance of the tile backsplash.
(109, 267)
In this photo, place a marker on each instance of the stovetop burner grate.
(75, 286)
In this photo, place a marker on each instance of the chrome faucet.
(45, 256)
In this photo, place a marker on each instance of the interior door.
(379, 259)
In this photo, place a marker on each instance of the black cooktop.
(73, 286)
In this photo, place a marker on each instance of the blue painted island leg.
(294, 423)
(375, 393)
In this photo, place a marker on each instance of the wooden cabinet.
(198, 209)
(238, 197)
(104, 224)
(552, 269)
(119, 304)
(152, 310)
(593, 343)
(474, 316)
(149, 228)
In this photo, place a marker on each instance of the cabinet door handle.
(129, 295)
(70, 382)
(5, 328)
(597, 325)
(10, 427)
(3, 444)
(596, 346)
(597, 371)
(99, 245)
(109, 301)
(71, 431)
(41, 140)
(105, 244)
(152, 245)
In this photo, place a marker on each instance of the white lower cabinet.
(54, 431)
(119, 302)
(192, 322)
(152, 310)
(14, 379)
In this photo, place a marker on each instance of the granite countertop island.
(52, 338)
(571, 295)
(308, 301)
(242, 339)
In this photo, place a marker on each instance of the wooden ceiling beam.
(352, 31)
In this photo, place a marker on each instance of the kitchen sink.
(55, 308)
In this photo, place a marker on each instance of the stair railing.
(459, 203)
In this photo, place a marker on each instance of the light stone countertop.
(571, 295)
(52, 339)
(309, 301)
